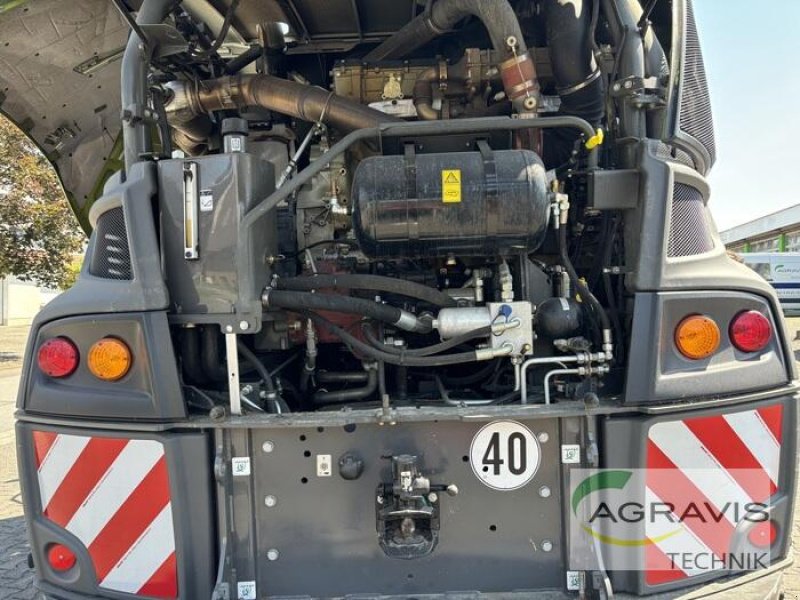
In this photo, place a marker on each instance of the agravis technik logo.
(619, 513)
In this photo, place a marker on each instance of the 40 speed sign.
(505, 455)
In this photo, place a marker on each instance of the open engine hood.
(59, 82)
(60, 69)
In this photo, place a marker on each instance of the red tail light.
(60, 557)
(58, 357)
(750, 331)
(763, 534)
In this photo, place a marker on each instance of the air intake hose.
(517, 68)
(578, 78)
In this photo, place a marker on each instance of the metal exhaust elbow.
(189, 105)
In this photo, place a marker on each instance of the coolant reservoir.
(462, 203)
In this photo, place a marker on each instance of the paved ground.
(12, 345)
(15, 577)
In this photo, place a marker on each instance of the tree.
(39, 236)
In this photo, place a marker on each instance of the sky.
(752, 55)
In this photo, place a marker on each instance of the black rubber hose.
(190, 356)
(427, 350)
(273, 400)
(349, 395)
(367, 350)
(578, 79)
(235, 65)
(579, 82)
(212, 363)
(476, 377)
(392, 315)
(223, 32)
(262, 371)
(496, 15)
(342, 376)
(578, 284)
(378, 283)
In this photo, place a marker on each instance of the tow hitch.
(407, 510)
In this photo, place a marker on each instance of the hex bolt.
(433, 497)
(547, 546)
(244, 325)
(270, 501)
(268, 446)
(229, 328)
(273, 554)
(543, 437)
(544, 491)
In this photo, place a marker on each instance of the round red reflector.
(58, 357)
(750, 331)
(60, 557)
(763, 534)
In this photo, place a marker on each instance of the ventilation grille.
(668, 152)
(689, 229)
(695, 116)
(111, 258)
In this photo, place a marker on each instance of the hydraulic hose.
(352, 394)
(411, 361)
(584, 291)
(427, 350)
(517, 67)
(274, 402)
(378, 283)
(391, 315)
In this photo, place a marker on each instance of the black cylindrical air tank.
(462, 203)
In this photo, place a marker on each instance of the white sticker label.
(240, 466)
(574, 580)
(505, 455)
(570, 454)
(246, 590)
(564, 303)
(323, 465)
(206, 201)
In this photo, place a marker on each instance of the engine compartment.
(418, 228)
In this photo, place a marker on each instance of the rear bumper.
(760, 585)
(295, 439)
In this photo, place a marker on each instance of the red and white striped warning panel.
(113, 495)
(710, 464)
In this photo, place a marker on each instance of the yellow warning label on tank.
(451, 185)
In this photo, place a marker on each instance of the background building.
(776, 232)
(21, 300)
